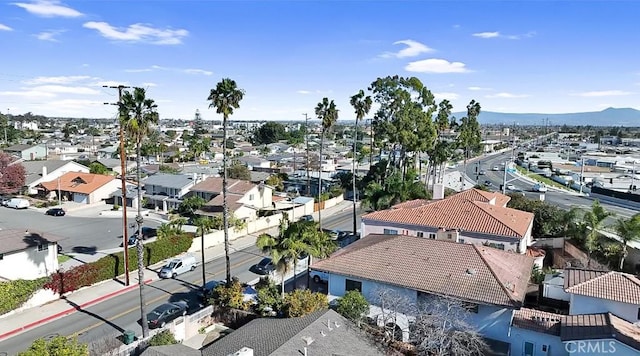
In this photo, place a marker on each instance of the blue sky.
(536, 56)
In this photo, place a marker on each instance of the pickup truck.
(319, 276)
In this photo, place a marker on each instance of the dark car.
(165, 313)
(482, 172)
(306, 218)
(488, 183)
(265, 266)
(132, 241)
(55, 212)
(147, 232)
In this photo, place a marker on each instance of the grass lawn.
(63, 258)
(539, 178)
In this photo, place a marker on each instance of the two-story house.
(604, 313)
(27, 152)
(244, 198)
(472, 216)
(27, 254)
(492, 283)
(165, 191)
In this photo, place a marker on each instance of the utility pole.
(581, 174)
(123, 173)
(355, 170)
(370, 143)
(504, 179)
(632, 188)
(306, 139)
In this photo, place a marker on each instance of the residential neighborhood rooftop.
(616, 286)
(214, 185)
(18, 240)
(78, 182)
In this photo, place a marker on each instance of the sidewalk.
(87, 296)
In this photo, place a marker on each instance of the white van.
(178, 266)
(18, 203)
(540, 187)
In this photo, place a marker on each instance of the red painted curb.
(71, 310)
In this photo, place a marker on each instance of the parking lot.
(83, 234)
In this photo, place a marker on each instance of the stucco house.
(491, 283)
(27, 254)
(44, 171)
(604, 316)
(244, 198)
(86, 188)
(27, 152)
(472, 216)
(165, 191)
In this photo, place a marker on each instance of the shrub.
(165, 337)
(229, 296)
(302, 302)
(353, 305)
(269, 296)
(14, 293)
(59, 345)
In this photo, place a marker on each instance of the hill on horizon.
(607, 117)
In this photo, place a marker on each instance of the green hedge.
(112, 266)
(15, 293)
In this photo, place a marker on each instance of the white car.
(540, 188)
(511, 187)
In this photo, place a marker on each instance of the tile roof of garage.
(598, 327)
(469, 272)
(470, 210)
(616, 286)
(537, 320)
(77, 182)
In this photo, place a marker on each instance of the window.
(43, 247)
(449, 236)
(432, 236)
(420, 234)
(1, 256)
(528, 348)
(461, 241)
(352, 285)
(251, 196)
(498, 246)
(390, 232)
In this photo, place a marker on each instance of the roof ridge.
(494, 217)
(493, 273)
(589, 281)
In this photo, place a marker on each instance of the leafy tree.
(469, 137)
(353, 306)
(138, 114)
(12, 174)
(547, 219)
(276, 181)
(165, 337)
(189, 205)
(229, 295)
(198, 125)
(58, 346)
(239, 171)
(270, 132)
(629, 231)
(171, 134)
(327, 113)
(225, 97)
(303, 302)
(594, 219)
(98, 168)
(268, 297)
(394, 191)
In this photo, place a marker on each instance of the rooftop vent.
(471, 271)
(308, 340)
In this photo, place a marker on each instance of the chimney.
(44, 171)
(438, 191)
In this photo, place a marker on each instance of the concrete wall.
(29, 263)
(580, 304)
(104, 192)
(552, 242)
(553, 343)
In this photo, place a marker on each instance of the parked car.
(5, 200)
(495, 168)
(133, 240)
(511, 187)
(147, 232)
(482, 172)
(165, 313)
(306, 218)
(265, 266)
(55, 212)
(18, 203)
(540, 187)
(319, 276)
(488, 183)
(178, 266)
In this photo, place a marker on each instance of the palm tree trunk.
(204, 278)
(225, 208)
(320, 182)
(282, 283)
(139, 247)
(624, 255)
(355, 214)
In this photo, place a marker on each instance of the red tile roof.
(77, 182)
(598, 327)
(469, 272)
(537, 320)
(469, 211)
(616, 286)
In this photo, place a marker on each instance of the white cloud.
(48, 8)
(5, 28)
(507, 96)
(486, 34)
(109, 83)
(61, 89)
(149, 85)
(57, 80)
(413, 49)
(447, 96)
(27, 94)
(319, 92)
(49, 35)
(497, 34)
(139, 33)
(304, 92)
(479, 89)
(197, 71)
(436, 65)
(73, 105)
(592, 94)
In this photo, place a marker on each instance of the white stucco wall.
(105, 191)
(29, 264)
(555, 292)
(553, 343)
(580, 304)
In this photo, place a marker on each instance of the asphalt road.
(113, 316)
(83, 234)
(561, 199)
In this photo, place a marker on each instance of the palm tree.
(594, 219)
(225, 97)
(629, 231)
(327, 112)
(205, 225)
(138, 114)
(280, 253)
(362, 105)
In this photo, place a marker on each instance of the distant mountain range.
(608, 117)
